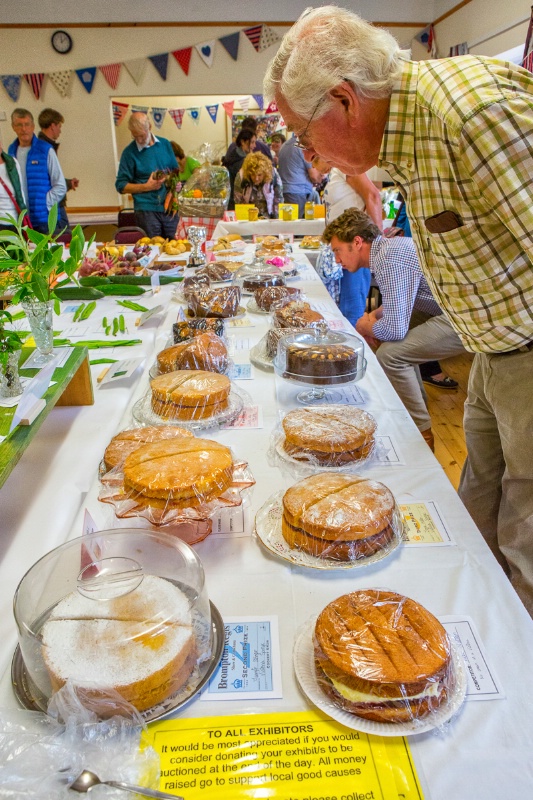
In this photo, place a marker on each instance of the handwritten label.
(424, 524)
(250, 417)
(483, 683)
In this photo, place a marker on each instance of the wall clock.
(62, 42)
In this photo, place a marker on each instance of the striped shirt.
(459, 138)
(394, 264)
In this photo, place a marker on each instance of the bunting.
(177, 115)
(213, 111)
(206, 51)
(11, 84)
(61, 81)
(268, 38)
(35, 81)
(111, 73)
(254, 35)
(459, 49)
(160, 62)
(119, 112)
(87, 77)
(228, 108)
(139, 109)
(244, 103)
(183, 57)
(194, 114)
(136, 68)
(230, 43)
(259, 100)
(158, 116)
(272, 108)
(427, 38)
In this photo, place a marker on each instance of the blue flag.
(231, 44)
(87, 77)
(213, 111)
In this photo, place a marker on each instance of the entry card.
(121, 370)
(250, 668)
(423, 523)
(296, 755)
(483, 683)
(250, 417)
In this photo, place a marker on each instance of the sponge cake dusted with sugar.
(141, 644)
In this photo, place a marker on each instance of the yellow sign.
(289, 756)
(419, 526)
(241, 211)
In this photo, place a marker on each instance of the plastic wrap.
(206, 193)
(181, 483)
(268, 246)
(41, 756)
(295, 314)
(116, 613)
(194, 283)
(270, 297)
(385, 659)
(217, 271)
(188, 329)
(129, 440)
(328, 437)
(311, 242)
(218, 303)
(248, 281)
(204, 352)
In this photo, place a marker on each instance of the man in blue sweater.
(140, 159)
(42, 179)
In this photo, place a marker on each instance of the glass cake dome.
(257, 275)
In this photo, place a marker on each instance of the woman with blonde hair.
(258, 182)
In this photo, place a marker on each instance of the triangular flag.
(61, 80)
(254, 35)
(259, 100)
(35, 81)
(268, 38)
(111, 73)
(213, 111)
(281, 125)
(142, 109)
(119, 112)
(136, 68)
(158, 116)
(272, 108)
(231, 44)
(194, 114)
(244, 103)
(177, 115)
(87, 77)
(160, 62)
(183, 57)
(206, 51)
(11, 84)
(228, 108)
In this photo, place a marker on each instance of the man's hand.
(74, 183)
(364, 326)
(152, 184)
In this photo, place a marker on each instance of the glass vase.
(40, 316)
(10, 385)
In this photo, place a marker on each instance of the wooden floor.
(446, 409)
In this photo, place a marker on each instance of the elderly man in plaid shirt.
(406, 300)
(456, 136)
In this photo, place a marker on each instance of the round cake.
(322, 363)
(127, 441)
(338, 517)
(382, 656)
(205, 352)
(329, 436)
(187, 470)
(190, 394)
(262, 281)
(272, 295)
(141, 644)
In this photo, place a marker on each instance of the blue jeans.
(354, 292)
(157, 223)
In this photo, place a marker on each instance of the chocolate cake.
(322, 364)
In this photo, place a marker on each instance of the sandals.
(445, 383)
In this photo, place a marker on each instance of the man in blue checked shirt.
(406, 302)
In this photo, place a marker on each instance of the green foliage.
(31, 262)
(10, 340)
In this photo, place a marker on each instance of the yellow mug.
(253, 214)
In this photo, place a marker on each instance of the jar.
(309, 211)
(253, 214)
(287, 213)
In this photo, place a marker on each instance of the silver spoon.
(87, 779)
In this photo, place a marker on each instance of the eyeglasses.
(300, 143)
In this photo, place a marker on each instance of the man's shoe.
(445, 383)
(429, 439)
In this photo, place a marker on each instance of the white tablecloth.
(486, 752)
(299, 227)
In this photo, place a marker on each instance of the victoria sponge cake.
(190, 394)
(382, 656)
(329, 435)
(141, 645)
(127, 441)
(339, 517)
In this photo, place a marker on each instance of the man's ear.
(345, 95)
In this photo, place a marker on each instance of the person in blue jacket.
(43, 183)
(147, 154)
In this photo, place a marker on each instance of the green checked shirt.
(459, 138)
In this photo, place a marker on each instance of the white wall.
(480, 19)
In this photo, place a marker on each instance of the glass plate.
(268, 529)
(304, 667)
(259, 357)
(142, 413)
(304, 467)
(254, 308)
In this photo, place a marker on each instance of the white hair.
(139, 121)
(324, 47)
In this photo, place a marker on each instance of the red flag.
(228, 108)
(111, 73)
(177, 115)
(272, 108)
(254, 35)
(527, 61)
(35, 82)
(183, 57)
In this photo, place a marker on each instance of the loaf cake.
(127, 441)
(216, 271)
(338, 517)
(190, 394)
(273, 337)
(270, 296)
(296, 314)
(187, 329)
(195, 283)
(219, 303)
(261, 281)
(141, 644)
(382, 656)
(321, 363)
(206, 352)
(186, 471)
(329, 436)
